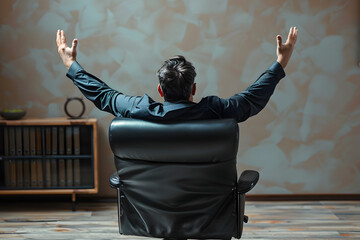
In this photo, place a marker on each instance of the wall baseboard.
(303, 197)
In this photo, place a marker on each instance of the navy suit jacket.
(241, 106)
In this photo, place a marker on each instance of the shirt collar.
(170, 106)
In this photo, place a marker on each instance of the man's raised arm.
(104, 97)
(248, 103)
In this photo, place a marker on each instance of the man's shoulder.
(210, 100)
(146, 100)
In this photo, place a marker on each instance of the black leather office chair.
(179, 180)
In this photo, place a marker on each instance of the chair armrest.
(247, 181)
(114, 180)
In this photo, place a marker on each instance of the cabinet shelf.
(48, 156)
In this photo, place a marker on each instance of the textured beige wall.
(305, 141)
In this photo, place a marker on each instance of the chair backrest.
(177, 179)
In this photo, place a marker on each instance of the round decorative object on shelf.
(67, 105)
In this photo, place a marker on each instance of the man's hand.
(67, 54)
(285, 50)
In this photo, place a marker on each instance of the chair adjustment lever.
(246, 219)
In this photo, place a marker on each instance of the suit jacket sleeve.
(248, 103)
(104, 97)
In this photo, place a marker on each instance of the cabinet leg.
(73, 198)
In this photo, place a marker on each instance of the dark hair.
(176, 78)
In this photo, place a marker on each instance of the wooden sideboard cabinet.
(49, 156)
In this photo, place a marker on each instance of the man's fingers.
(63, 38)
(58, 37)
(279, 40)
(290, 35)
(295, 34)
(74, 44)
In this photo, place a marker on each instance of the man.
(177, 87)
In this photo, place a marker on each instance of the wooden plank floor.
(97, 220)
